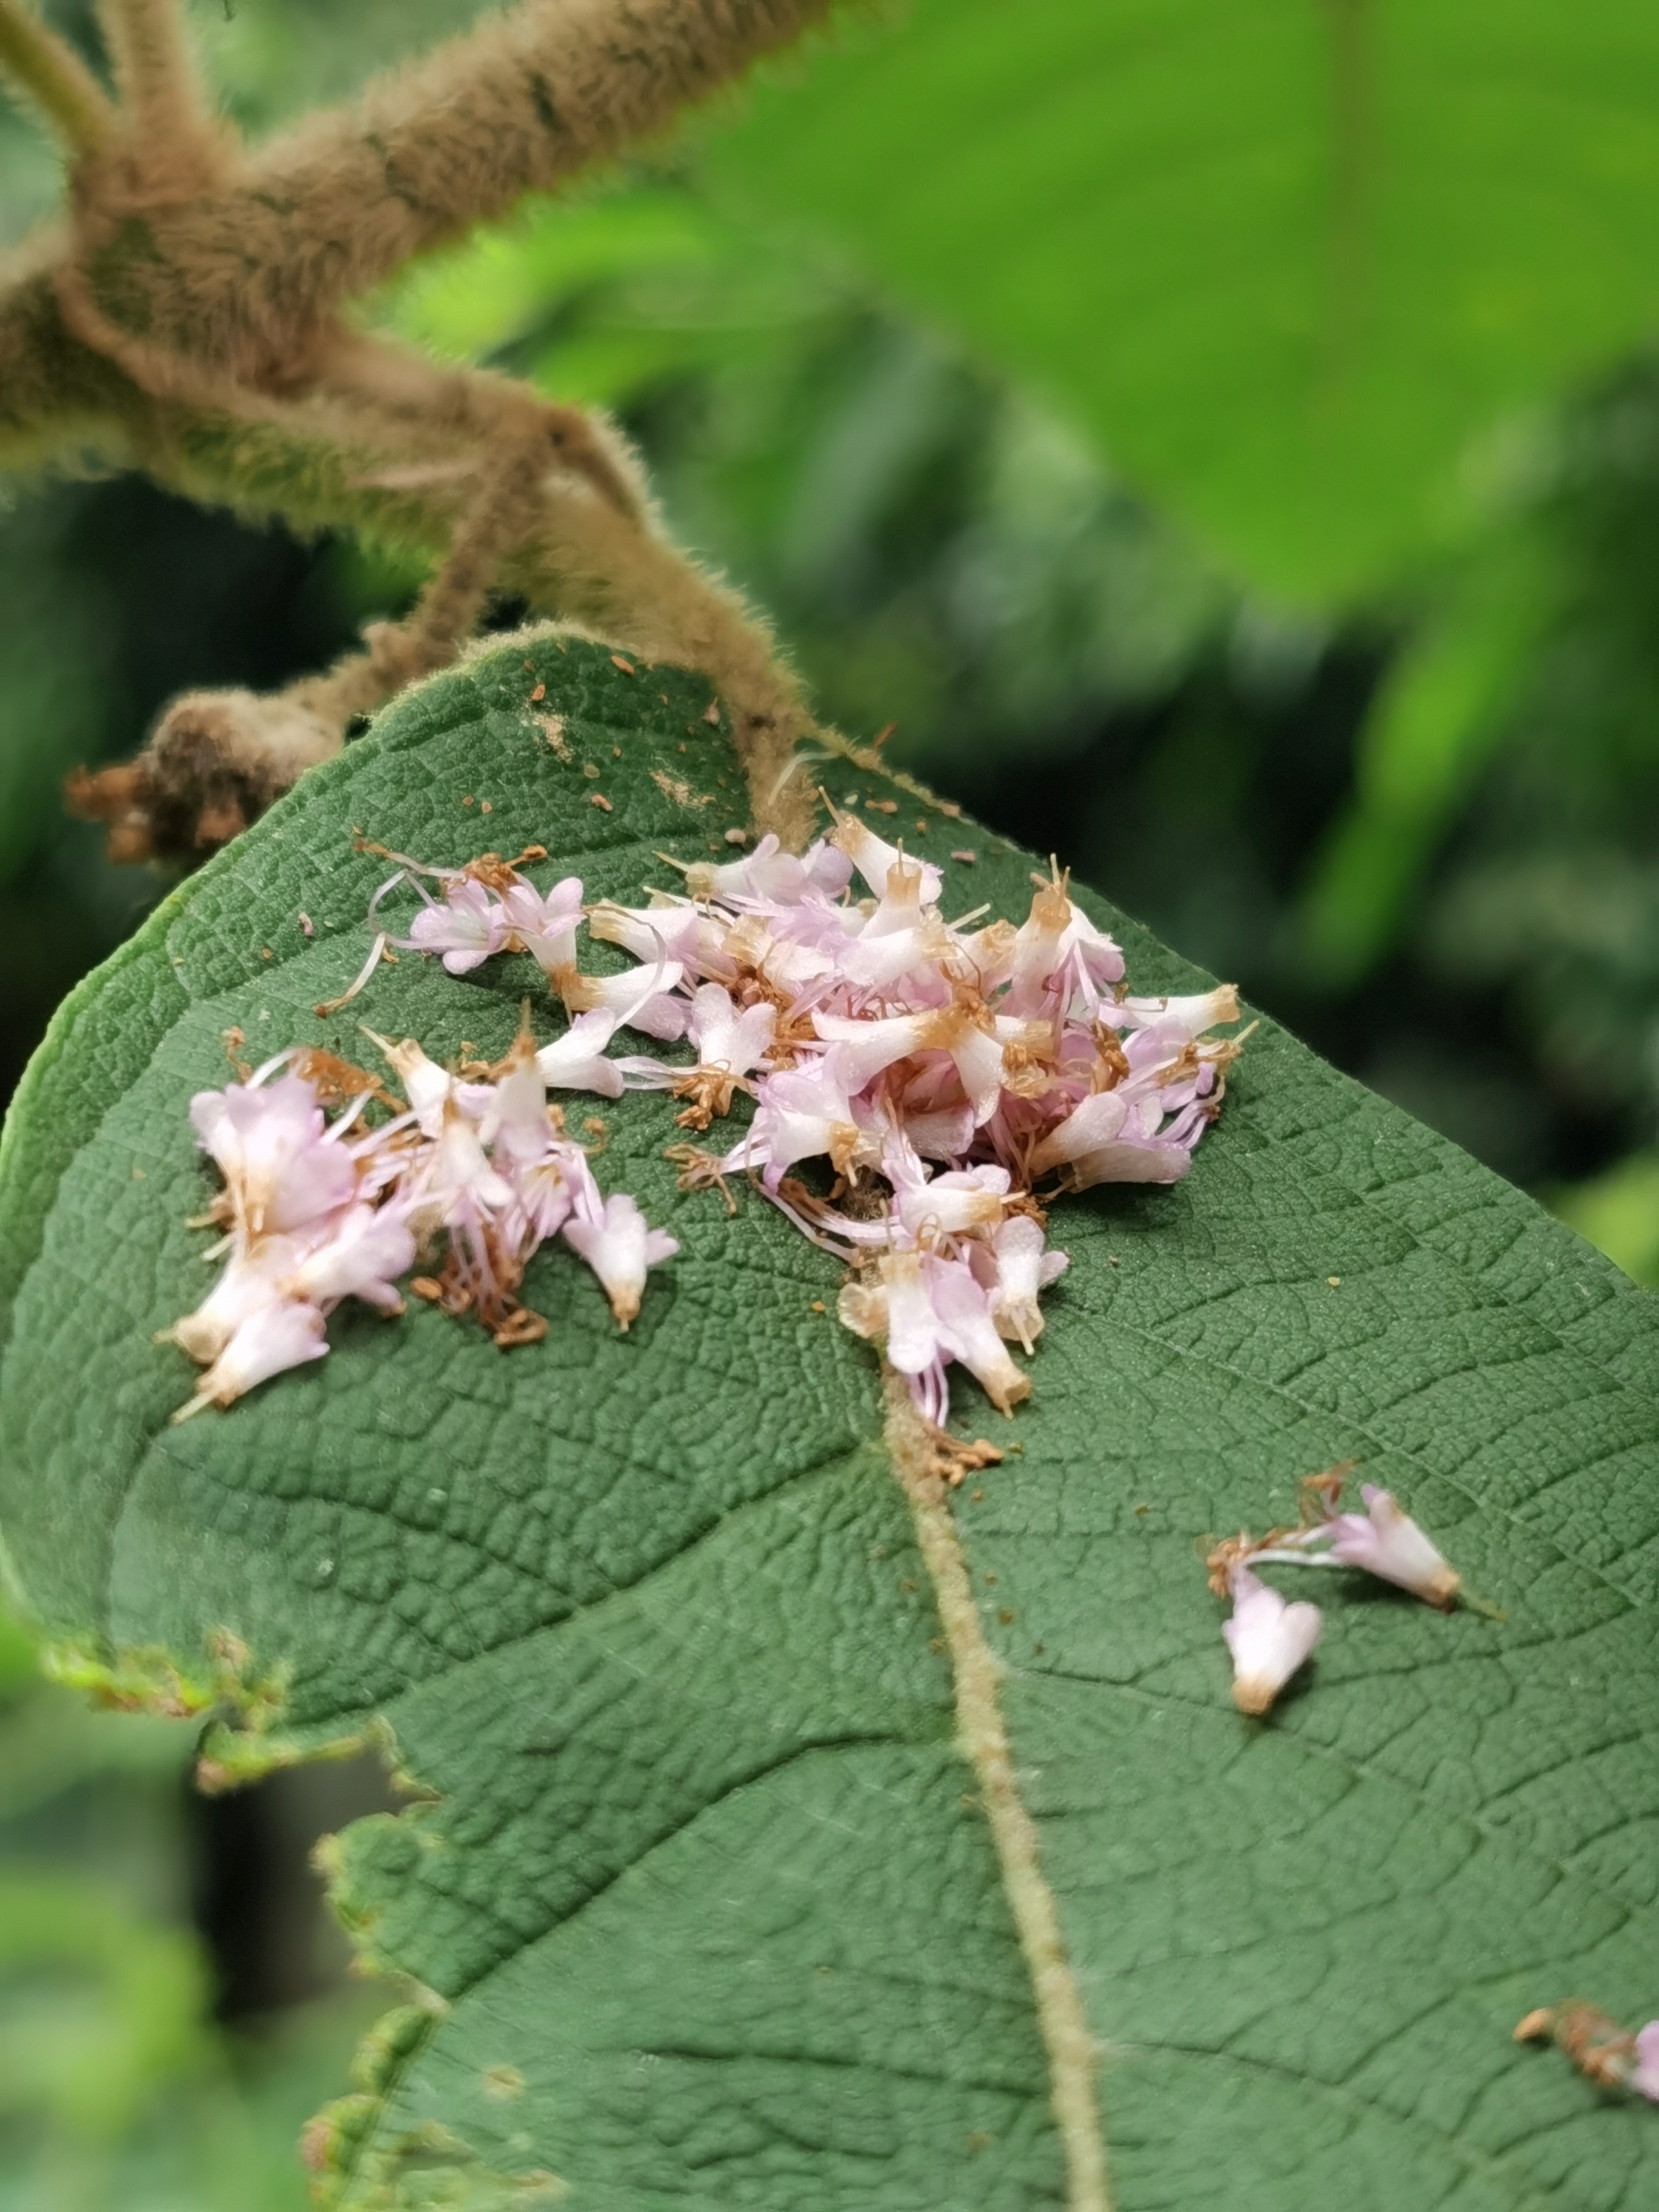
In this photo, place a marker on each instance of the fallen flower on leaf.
(1382, 1541)
(1269, 1639)
(1606, 2054)
(925, 1073)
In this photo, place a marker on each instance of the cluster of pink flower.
(1269, 1637)
(315, 1211)
(938, 1071)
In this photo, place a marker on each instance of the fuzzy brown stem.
(56, 79)
(526, 100)
(155, 80)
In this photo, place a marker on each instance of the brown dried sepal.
(1602, 2051)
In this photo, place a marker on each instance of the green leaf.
(1285, 261)
(698, 1897)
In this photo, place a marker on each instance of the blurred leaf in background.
(1286, 264)
(117, 2093)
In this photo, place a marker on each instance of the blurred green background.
(1226, 454)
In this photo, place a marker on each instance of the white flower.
(619, 1247)
(576, 1061)
(362, 1256)
(456, 1185)
(801, 1114)
(427, 1087)
(673, 931)
(875, 859)
(1184, 1017)
(1269, 1639)
(1020, 1267)
(272, 1339)
(769, 876)
(639, 997)
(248, 1285)
(1388, 1543)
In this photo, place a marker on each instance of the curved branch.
(243, 278)
(56, 78)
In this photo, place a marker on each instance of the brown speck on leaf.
(682, 745)
(921, 824)
(818, 1306)
(616, 752)
(882, 805)
(591, 768)
(598, 798)
(1005, 1616)
(711, 714)
(486, 806)
(964, 855)
(1334, 1282)
(626, 666)
(538, 693)
(138, 1176)
(264, 952)
(307, 928)
(737, 836)
(552, 728)
(468, 801)
(673, 788)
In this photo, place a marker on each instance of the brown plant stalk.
(186, 316)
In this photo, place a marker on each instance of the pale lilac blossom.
(912, 1078)
(1269, 1639)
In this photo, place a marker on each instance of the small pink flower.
(270, 1143)
(1388, 1543)
(544, 924)
(927, 1311)
(271, 1339)
(465, 924)
(619, 1247)
(802, 1113)
(1269, 1639)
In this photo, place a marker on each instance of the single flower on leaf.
(1269, 1639)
